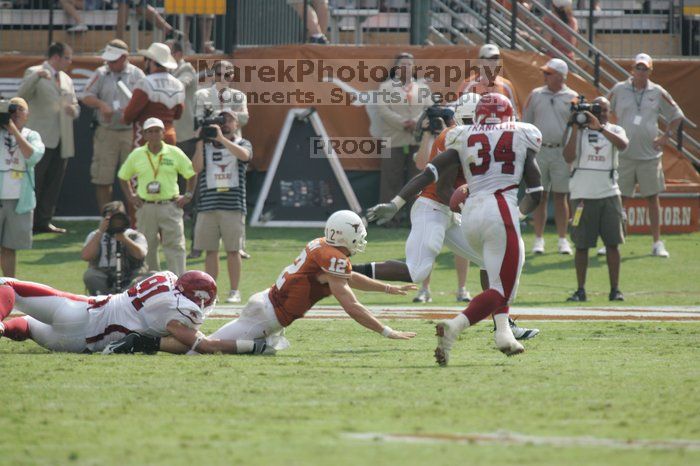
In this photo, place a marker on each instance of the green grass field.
(606, 380)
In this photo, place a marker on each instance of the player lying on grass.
(322, 269)
(160, 305)
(495, 154)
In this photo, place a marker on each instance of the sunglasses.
(641, 68)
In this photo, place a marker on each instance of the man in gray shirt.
(109, 91)
(549, 108)
(637, 102)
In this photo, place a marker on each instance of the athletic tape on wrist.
(196, 343)
(398, 201)
(536, 189)
(387, 331)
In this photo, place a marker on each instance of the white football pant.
(432, 226)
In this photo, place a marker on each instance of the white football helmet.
(465, 107)
(345, 228)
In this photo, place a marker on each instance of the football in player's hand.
(458, 197)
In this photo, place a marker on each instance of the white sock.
(502, 324)
(461, 322)
(316, 35)
(244, 346)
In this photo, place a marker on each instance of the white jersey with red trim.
(147, 307)
(493, 156)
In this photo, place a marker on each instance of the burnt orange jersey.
(501, 86)
(297, 288)
(431, 190)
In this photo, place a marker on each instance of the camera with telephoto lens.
(6, 110)
(439, 117)
(207, 123)
(118, 223)
(579, 107)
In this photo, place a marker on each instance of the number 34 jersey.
(147, 307)
(493, 156)
(297, 288)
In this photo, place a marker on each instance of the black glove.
(133, 343)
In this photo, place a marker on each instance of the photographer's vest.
(594, 172)
(222, 168)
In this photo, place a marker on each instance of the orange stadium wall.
(679, 77)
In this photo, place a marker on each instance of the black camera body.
(6, 110)
(207, 123)
(580, 106)
(439, 117)
(118, 223)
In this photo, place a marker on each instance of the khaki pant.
(166, 219)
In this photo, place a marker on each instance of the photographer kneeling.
(593, 151)
(115, 252)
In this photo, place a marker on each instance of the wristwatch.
(188, 195)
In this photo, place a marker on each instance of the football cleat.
(446, 336)
(578, 296)
(602, 251)
(261, 347)
(507, 344)
(538, 246)
(564, 246)
(659, 250)
(521, 333)
(423, 296)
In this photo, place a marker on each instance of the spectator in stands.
(184, 127)
(109, 91)
(317, 17)
(595, 197)
(21, 150)
(48, 89)
(71, 8)
(221, 164)
(115, 253)
(151, 15)
(479, 84)
(159, 94)
(402, 99)
(637, 103)
(159, 204)
(222, 96)
(562, 9)
(205, 27)
(548, 108)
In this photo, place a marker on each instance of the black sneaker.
(616, 295)
(578, 296)
(319, 40)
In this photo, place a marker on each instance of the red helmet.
(493, 109)
(198, 287)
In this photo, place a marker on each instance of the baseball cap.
(555, 65)
(114, 50)
(644, 59)
(489, 51)
(562, 3)
(151, 122)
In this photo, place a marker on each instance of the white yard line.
(511, 438)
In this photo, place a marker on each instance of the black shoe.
(616, 295)
(319, 40)
(194, 254)
(578, 296)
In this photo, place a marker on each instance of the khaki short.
(15, 229)
(600, 217)
(554, 169)
(649, 174)
(110, 150)
(212, 225)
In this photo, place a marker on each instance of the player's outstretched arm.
(533, 184)
(194, 340)
(443, 162)
(364, 283)
(343, 293)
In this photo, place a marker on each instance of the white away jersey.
(493, 156)
(147, 307)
